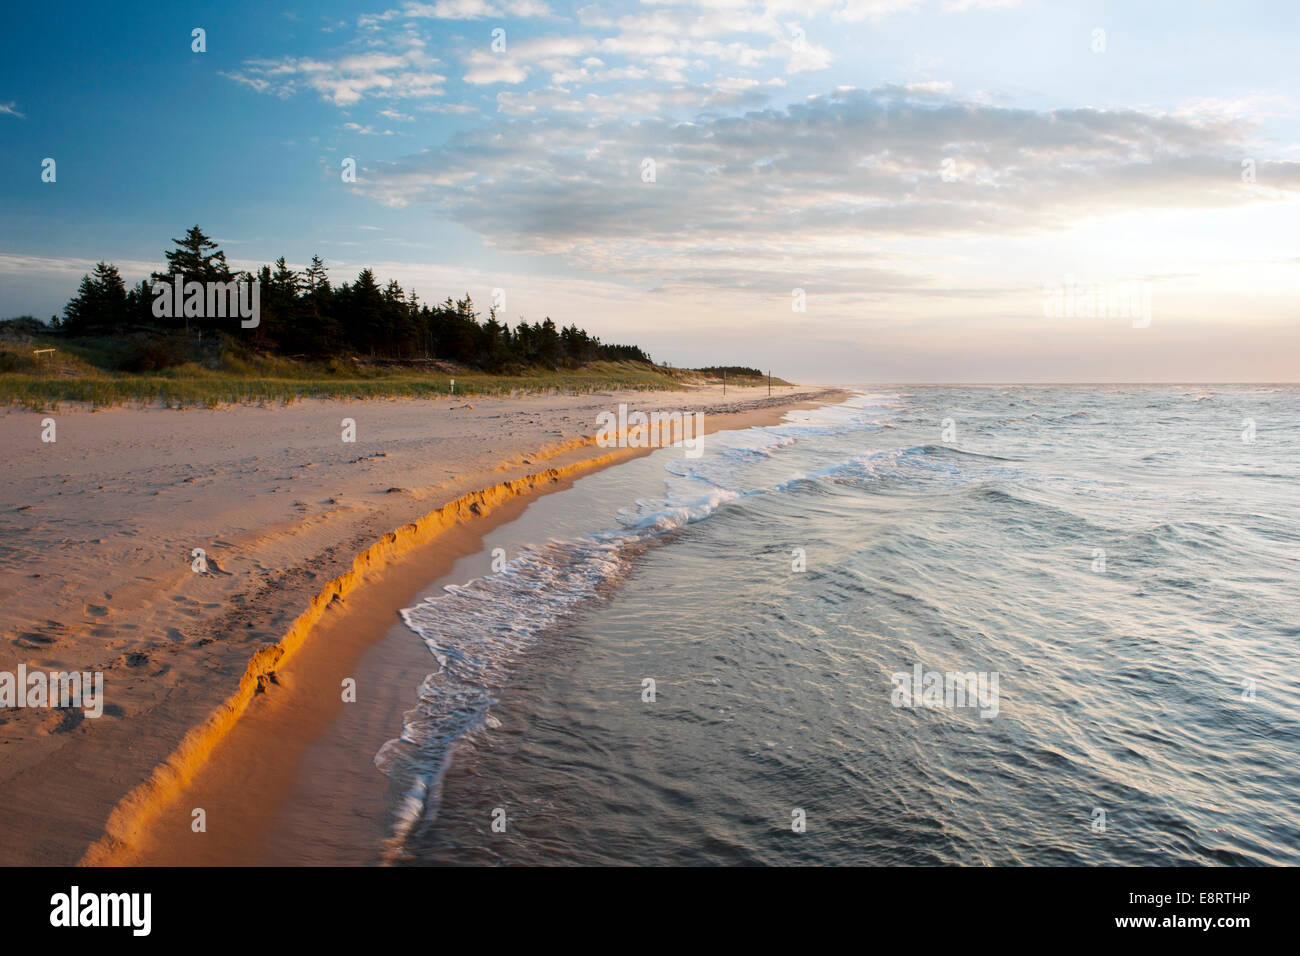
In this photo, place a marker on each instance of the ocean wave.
(1122, 673)
(477, 633)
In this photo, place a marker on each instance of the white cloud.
(453, 108)
(958, 6)
(405, 71)
(848, 172)
(488, 68)
(1257, 104)
(366, 130)
(458, 10)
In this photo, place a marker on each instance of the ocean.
(926, 626)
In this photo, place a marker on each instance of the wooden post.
(724, 381)
(769, 381)
(41, 364)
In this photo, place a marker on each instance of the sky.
(838, 190)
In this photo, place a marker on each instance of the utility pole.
(769, 381)
(724, 381)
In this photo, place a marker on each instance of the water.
(1118, 556)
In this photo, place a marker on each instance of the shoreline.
(270, 720)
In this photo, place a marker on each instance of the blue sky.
(923, 169)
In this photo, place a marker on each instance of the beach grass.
(202, 387)
(84, 371)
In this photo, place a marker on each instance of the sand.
(311, 542)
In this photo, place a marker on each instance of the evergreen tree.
(100, 302)
(302, 313)
(548, 345)
(316, 278)
(363, 312)
(197, 258)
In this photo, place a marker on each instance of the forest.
(305, 315)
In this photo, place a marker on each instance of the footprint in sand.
(214, 567)
(187, 607)
(62, 722)
(31, 640)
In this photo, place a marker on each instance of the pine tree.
(316, 278)
(363, 314)
(197, 258)
(100, 301)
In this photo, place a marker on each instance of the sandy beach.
(343, 547)
(310, 542)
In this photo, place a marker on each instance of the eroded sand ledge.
(63, 786)
(139, 807)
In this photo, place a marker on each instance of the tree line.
(304, 314)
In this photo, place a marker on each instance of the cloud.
(11, 109)
(460, 109)
(851, 171)
(65, 267)
(631, 101)
(669, 43)
(486, 68)
(1257, 104)
(366, 130)
(856, 10)
(458, 10)
(959, 6)
(402, 72)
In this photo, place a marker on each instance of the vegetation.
(188, 385)
(304, 315)
(738, 374)
(313, 339)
